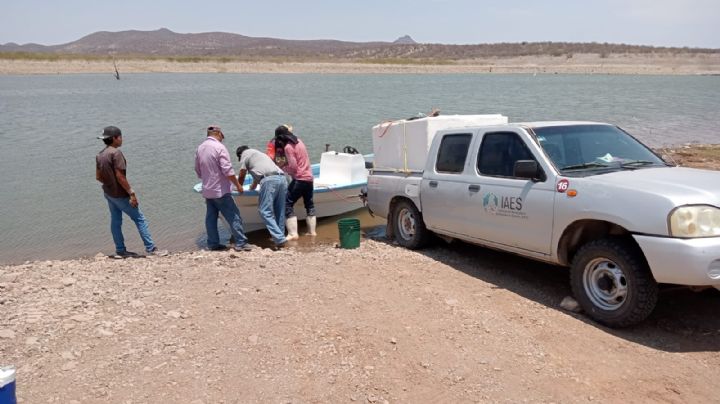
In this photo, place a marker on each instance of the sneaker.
(280, 246)
(243, 248)
(158, 253)
(125, 254)
(218, 248)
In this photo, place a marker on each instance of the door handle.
(433, 184)
(474, 188)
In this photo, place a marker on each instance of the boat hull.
(329, 201)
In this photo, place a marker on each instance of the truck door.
(508, 210)
(441, 189)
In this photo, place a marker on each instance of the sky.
(691, 23)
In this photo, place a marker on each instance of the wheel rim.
(406, 224)
(605, 284)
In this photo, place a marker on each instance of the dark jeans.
(298, 189)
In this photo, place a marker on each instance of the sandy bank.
(577, 64)
(376, 324)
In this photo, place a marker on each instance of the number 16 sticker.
(563, 185)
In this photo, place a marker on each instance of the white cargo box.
(341, 169)
(403, 145)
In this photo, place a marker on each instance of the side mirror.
(529, 169)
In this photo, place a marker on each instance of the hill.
(166, 43)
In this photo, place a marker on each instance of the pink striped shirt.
(213, 166)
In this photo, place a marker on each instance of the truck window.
(453, 152)
(498, 153)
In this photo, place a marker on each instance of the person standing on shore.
(213, 167)
(298, 167)
(111, 170)
(273, 190)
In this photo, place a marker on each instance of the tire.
(409, 228)
(613, 283)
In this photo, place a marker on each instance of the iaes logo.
(490, 203)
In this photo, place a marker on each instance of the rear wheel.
(410, 231)
(612, 282)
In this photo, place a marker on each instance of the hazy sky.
(692, 23)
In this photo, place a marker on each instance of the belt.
(270, 175)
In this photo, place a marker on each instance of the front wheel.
(612, 282)
(410, 231)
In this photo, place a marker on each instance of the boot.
(292, 228)
(311, 222)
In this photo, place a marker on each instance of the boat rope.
(337, 194)
(389, 122)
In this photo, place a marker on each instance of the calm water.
(52, 207)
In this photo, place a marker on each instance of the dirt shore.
(377, 324)
(452, 323)
(577, 64)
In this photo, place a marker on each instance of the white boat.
(338, 184)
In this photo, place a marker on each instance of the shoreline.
(692, 155)
(652, 64)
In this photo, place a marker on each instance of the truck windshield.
(594, 149)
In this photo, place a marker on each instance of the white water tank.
(403, 145)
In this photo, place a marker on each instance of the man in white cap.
(111, 170)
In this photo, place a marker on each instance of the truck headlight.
(695, 221)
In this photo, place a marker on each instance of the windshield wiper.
(636, 163)
(585, 165)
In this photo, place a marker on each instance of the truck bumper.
(683, 261)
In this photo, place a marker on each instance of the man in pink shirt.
(213, 166)
(298, 167)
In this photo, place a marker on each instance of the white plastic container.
(341, 169)
(7, 385)
(403, 145)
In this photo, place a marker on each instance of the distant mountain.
(405, 40)
(166, 43)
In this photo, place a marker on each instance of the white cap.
(7, 375)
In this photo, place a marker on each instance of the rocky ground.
(379, 324)
(452, 323)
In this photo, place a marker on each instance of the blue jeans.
(271, 205)
(296, 190)
(231, 213)
(117, 207)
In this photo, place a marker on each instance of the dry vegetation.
(698, 156)
(166, 51)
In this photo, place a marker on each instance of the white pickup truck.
(579, 194)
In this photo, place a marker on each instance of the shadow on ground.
(683, 321)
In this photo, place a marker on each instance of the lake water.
(51, 207)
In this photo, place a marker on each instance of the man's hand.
(253, 186)
(133, 201)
